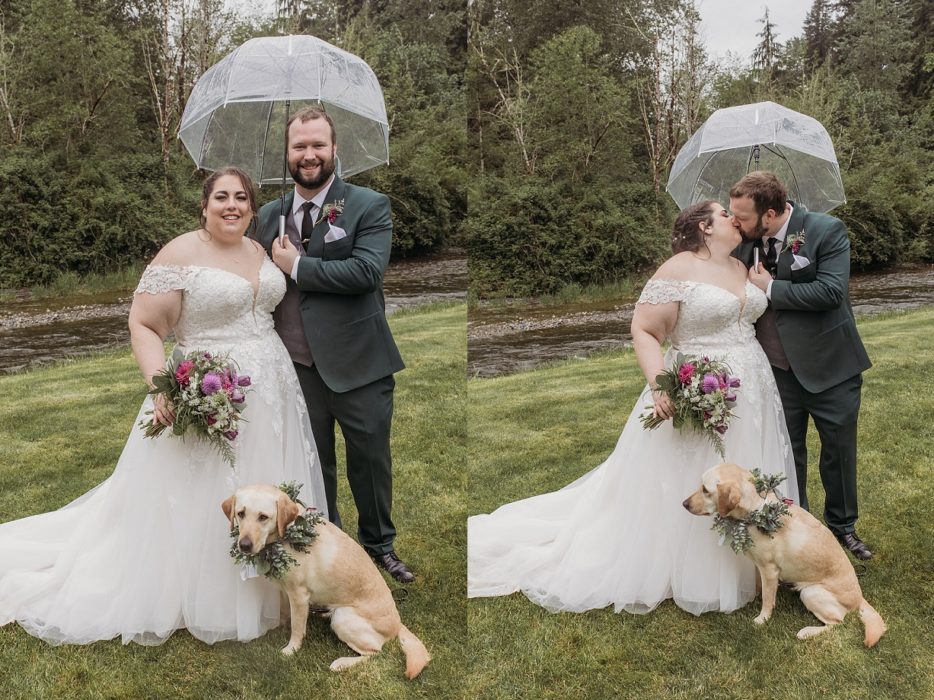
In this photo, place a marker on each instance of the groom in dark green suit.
(333, 322)
(809, 335)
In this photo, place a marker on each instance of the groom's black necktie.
(308, 222)
(771, 256)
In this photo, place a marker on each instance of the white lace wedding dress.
(619, 534)
(146, 552)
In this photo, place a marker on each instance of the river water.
(508, 339)
(37, 332)
(502, 339)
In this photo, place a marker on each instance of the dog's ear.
(728, 497)
(286, 511)
(228, 507)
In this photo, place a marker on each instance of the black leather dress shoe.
(852, 543)
(394, 565)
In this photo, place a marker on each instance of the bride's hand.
(163, 412)
(664, 408)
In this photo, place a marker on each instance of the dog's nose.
(686, 503)
(246, 545)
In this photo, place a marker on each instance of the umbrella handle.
(282, 229)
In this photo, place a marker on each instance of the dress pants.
(364, 415)
(835, 413)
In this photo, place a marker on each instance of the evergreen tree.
(767, 53)
(818, 34)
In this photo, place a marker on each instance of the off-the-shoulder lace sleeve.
(158, 279)
(663, 291)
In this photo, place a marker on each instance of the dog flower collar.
(767, 519)
(274, 560)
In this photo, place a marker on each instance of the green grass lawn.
(61, 431)
(538, 431)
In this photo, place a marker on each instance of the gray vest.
(287, 315)
(767, 335)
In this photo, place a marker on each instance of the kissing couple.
(618, 535)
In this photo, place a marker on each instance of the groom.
(333, 322)
(809, 335)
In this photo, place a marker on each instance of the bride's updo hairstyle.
(249, 187)
(687, 234)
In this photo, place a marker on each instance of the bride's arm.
(152, 318)
(651, 324)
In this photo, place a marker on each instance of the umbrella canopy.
(237, 111)
(761, 136)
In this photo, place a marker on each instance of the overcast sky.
(731, 25)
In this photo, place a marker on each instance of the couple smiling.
(618, 535)
(146, 552)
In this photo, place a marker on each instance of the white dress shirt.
(779, 245)
(298, 215)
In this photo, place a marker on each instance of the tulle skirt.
(146, 552)
(619, 535)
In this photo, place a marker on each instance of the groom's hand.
(760, 277)
(284, 254)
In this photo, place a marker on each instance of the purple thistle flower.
(733, 382)
(231, 434)
(710, 384)
(237, 397)
(211, 383)
(244, 380)
(730, 397)
(721, 429)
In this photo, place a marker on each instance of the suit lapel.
(316, 244)
(795, 225)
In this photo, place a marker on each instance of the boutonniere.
(795, 241)
(331, 211)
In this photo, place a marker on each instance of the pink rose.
(183, 372)
(685, 372)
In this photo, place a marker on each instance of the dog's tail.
(416, 655)
(872, 622)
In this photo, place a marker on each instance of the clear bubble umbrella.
(761, 136)
(237, 111)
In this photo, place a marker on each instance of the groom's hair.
(764, 189)
(307, 114)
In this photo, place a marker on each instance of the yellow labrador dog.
(334, 573)
(802, 552)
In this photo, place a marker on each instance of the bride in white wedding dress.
(146, 552)
(618, 535)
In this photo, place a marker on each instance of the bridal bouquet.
(207, 395)
(702, 391)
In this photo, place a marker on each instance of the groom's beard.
(757, 232)
(312, 183)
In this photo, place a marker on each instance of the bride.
(146, 552)
(618, 535)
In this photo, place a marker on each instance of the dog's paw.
(290, 649)
(808, 632)
(345, 662)
(761, 618)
